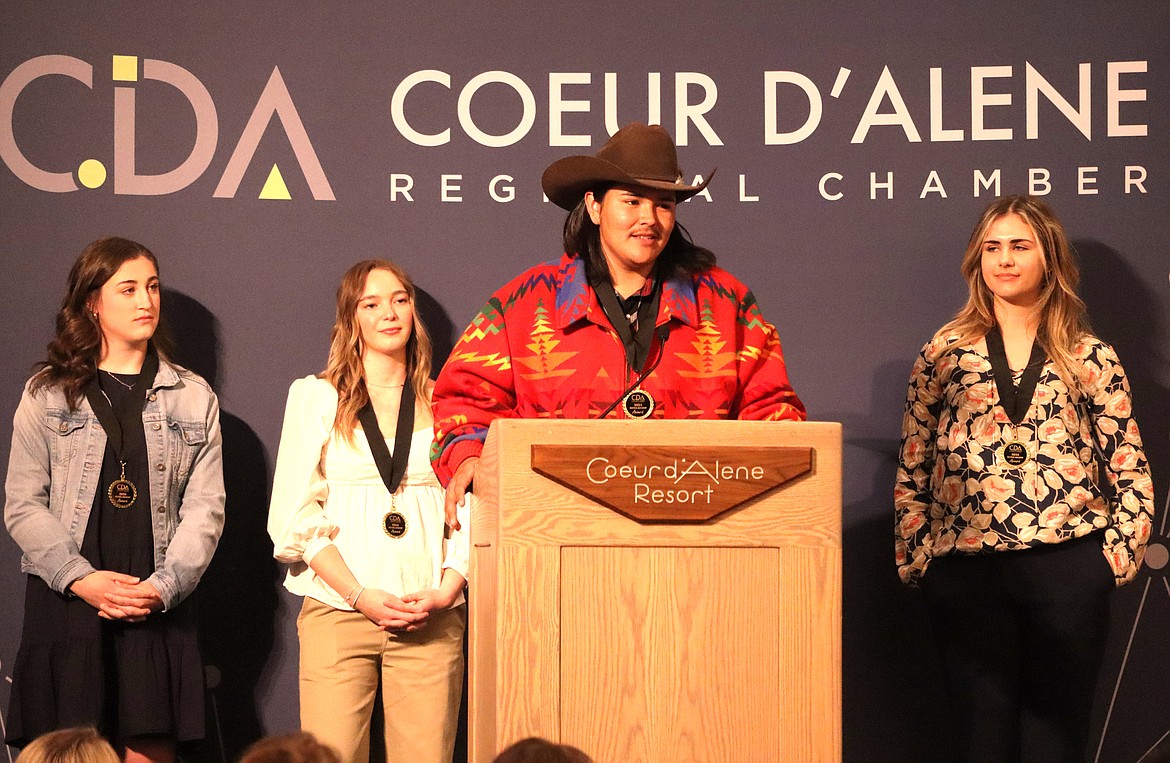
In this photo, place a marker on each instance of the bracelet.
(355, 599)
(351, 598)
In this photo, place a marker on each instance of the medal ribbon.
(1015, 400)
(115, 422)
(637, 344)
(393, 469)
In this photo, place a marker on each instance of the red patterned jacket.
(542, 347)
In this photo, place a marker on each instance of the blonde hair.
(344, 368)
(1063, 322)
(74, 745)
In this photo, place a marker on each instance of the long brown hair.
(74, 351)
(344, 369)
(1063, 321)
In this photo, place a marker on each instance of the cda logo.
(128, 72)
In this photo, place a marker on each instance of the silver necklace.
(383, 386)
(115, 378)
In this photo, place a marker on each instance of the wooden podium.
(667, 640)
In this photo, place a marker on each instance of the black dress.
(74, 668)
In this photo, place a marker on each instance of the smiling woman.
(1022, 495)
(357, 514)
(1013, 262)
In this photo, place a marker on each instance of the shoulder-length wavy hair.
(344, 369)
(582, 238)
(1063, 321)
(76, 347)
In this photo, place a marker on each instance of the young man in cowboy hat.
(633, 321)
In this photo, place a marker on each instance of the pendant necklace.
(637, 403)
(1016, 400)
(122, 493)
(391, 468)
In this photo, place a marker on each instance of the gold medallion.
(638, 404)
(394, 524)
(122, 493)
(1014, 454)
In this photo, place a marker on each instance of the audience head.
(74, 745)
(537, 750)
(298, 747)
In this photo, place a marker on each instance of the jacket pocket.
(65, 427)
(187, 438)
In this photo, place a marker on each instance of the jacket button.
(64, 427)
(152, 397)
(156, 426)
(161, 467)
(161, 509)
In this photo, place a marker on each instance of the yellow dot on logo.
(125, 69)
(91, 173)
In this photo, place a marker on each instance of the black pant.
(1022, 636)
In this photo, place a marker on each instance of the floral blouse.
(956, 493)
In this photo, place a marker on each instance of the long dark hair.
(75, 347)
(582, 238)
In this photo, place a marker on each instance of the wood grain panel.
(673, 651)
(528, 639)
(802, 512)
(810, 655)
(483, 604)
(669, 483)
(719, 640)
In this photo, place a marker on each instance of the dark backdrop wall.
(260, 148)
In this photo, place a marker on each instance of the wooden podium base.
(709, 641)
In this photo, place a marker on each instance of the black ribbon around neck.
(1015, 400)
(115, 421)
(393, 469)
(637, 343)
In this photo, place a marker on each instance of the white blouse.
(328, 492)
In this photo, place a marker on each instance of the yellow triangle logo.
(274, 187)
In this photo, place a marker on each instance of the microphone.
(663, 332)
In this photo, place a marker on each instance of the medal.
(1016, 400)
(638, 404)
(394, 524)
(122, 492)
(637, 340)
(121, 419)
(1014, 454)
(391, 468)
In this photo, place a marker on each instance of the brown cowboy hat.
(637, 154)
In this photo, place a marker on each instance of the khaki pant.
(343, 658)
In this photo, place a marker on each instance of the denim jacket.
(55, 465)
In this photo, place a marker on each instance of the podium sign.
(670, 484)
(707, 638)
